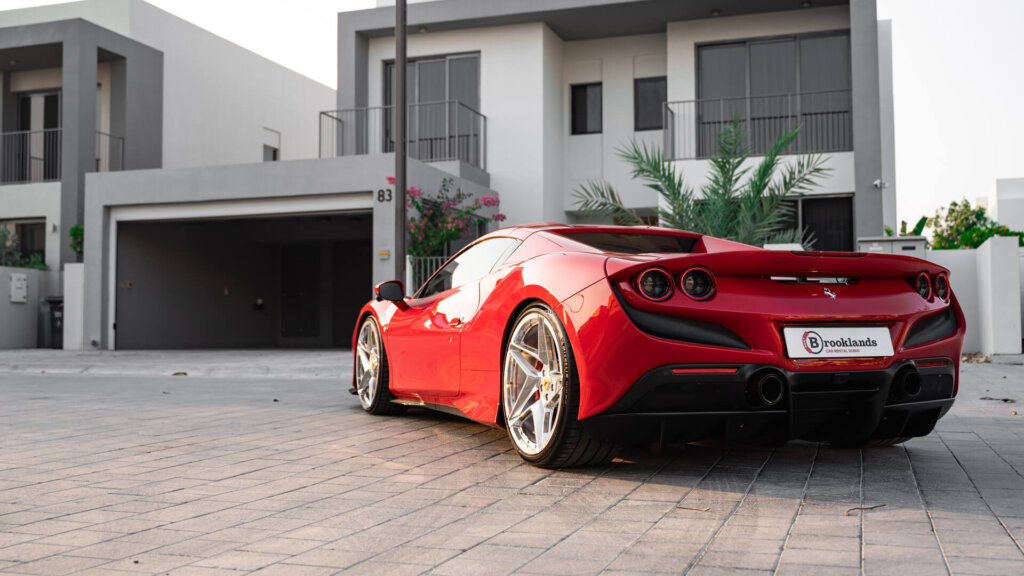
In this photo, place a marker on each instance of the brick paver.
(184, 475)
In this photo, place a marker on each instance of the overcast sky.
(958, 80)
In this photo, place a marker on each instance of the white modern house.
(193, 240)
(539, 95)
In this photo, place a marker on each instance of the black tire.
(379, 400)
(569, 445)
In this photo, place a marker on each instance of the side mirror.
(392, 291)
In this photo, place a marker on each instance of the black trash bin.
(56, 322)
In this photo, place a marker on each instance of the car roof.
(554, 227)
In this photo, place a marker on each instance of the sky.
(957, 80)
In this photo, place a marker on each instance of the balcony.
(692, 127)
(36, 156)
(436, 131)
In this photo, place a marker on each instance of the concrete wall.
(987, 284)
(615, 62)
(19, 321)
(218, 96)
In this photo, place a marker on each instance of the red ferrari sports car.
(576, 339)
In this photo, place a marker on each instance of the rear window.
(634, 242)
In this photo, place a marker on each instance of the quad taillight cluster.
(929, 287)
(657, 285)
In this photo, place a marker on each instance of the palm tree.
(752, 205)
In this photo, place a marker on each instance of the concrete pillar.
(352, 55)
(887, 124)
(866, 122)
(78, 117)
(74, 307)
(8, 105)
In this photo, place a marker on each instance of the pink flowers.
(448, 215)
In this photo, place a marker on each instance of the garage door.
(295, 281)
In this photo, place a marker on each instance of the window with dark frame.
(830, 220)
(586, 108)
(649, 96)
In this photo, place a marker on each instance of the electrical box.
(19, 288)
(901, 245)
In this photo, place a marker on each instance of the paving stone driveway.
(187, 475)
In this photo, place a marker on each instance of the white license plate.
(837, 342)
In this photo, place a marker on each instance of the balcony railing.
(436, 131)
(109, 152)
(35, 156)
(692, 127)
(30, 156)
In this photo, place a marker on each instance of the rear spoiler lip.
(765, 263)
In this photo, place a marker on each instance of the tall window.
(586, 108)
(443, 94)
(830, 220)
(649, 96)
(772, 85)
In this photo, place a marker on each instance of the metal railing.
(419, 270)
(825, 119)
(35, 156)
(436, 131)
(30, 156)
(109, 152)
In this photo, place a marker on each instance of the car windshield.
(634, 242)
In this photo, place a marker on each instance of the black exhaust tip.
(906, 384)
(766, 389)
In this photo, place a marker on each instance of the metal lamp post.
(400, 139)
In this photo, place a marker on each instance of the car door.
(424, 340)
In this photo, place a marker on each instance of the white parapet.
(987, 284)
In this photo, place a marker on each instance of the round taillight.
(942, 287)
(698, 283)
(923, 285)
(655, 284)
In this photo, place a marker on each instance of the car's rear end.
(751, 343)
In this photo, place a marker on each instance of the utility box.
(900, 245)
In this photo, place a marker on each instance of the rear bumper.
(691, 402)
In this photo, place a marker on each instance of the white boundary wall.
(987, 284)
(19, 321)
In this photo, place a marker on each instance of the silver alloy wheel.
(532, 382)
(367, 363)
